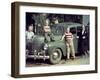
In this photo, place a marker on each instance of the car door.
(75, 40)
(79, 39)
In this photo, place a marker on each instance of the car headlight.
(45, 47)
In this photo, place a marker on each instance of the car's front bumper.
(38, 55)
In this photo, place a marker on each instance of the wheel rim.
(55, 55)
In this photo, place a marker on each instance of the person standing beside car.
(69, 43)
(84, 44)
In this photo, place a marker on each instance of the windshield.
(57, 30)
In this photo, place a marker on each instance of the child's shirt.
(29, 35)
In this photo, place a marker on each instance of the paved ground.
(80, 60)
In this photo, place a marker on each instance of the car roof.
(68, 24)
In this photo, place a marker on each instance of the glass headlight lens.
(45, 46)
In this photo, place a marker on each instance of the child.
(69, 43)
(47, 30)
(29, 37)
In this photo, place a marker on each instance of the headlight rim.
(45, 47)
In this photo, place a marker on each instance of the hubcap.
(55, 55)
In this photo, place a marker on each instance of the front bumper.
(38, 55)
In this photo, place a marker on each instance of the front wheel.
(55, 56)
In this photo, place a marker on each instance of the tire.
(55, 56)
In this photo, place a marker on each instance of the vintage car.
(55, 50)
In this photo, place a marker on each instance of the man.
(29, 37)
(55, 20)
(84, 44)
(47, 31)
(69, 43)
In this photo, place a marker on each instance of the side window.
(79, 30)
(73, 30)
